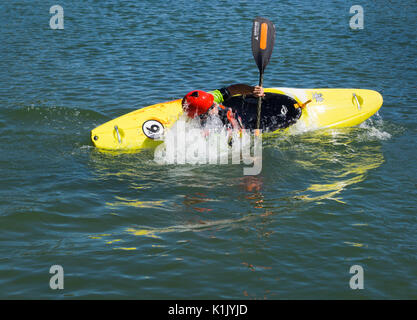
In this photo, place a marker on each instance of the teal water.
(122, 226)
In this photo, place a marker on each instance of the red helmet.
(197, 102)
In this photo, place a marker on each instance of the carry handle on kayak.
(263, 39)
(357, 101)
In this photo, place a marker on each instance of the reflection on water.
(191, 200)
(253, 188)
(193, 227)
(312, 167)
(338, 159)
(354, 171)
(136, 203)
(117, 239)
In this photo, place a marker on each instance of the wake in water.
(375, 128)
(187, 142)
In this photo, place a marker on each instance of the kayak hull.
(328, 108)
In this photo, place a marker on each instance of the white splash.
(187, 142)
(373, 128)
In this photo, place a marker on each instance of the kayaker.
(202, 104)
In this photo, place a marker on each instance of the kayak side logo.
(153, 129)
(318, 96)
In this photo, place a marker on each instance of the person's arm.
(243, 89)
(223, 94)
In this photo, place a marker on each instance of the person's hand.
(258, 91)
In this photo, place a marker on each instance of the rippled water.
(123, 226)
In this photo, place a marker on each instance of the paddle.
(263, 39)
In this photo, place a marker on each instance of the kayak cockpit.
(278, 111)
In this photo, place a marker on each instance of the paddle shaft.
(258, 120)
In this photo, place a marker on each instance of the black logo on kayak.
(153, 129)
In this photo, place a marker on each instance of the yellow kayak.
(310, 108)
